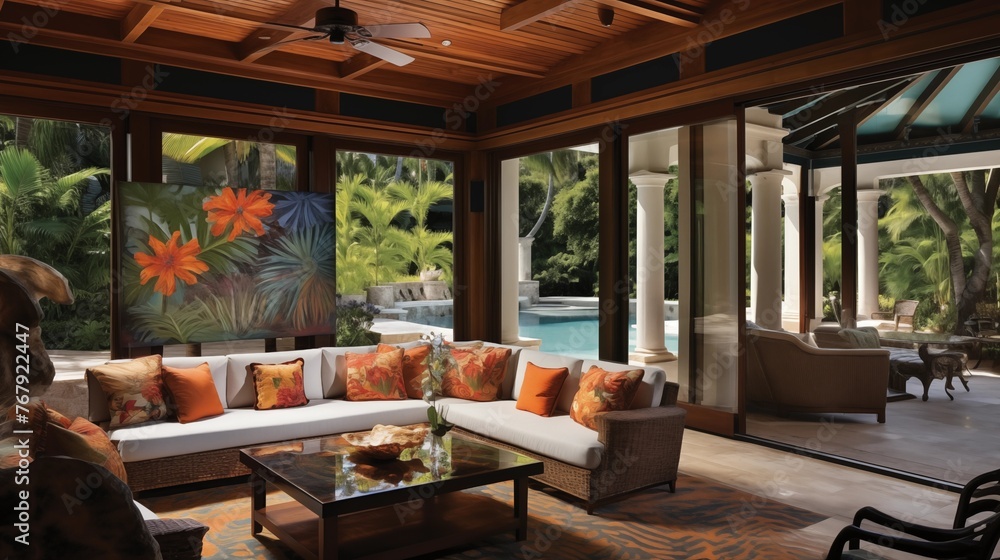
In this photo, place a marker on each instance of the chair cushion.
(242, 427)
(862, 337)
(558, 437)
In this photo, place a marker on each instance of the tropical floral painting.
(203, 264)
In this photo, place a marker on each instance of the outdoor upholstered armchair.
(974, 533)
(902, 313)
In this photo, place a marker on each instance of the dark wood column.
(849, 215)
(613, 282)
(807, 247)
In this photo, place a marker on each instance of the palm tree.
(381, 235)
(27, 187)
(427, 248)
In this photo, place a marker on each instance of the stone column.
(524, 258)
(867, 251)
(765, 268)
(649, 268)
(509, 232)
(790, 309)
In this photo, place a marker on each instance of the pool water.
(568, 332)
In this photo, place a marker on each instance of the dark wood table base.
(442, 522)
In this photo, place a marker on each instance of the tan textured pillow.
(134, 390)
(278, 385)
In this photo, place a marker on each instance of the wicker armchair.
(974, 534)
(902, 313)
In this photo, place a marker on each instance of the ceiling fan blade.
(395, 31)
(299, 27)
(313, 38)
(385, 53)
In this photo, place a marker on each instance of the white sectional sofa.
(631, 449)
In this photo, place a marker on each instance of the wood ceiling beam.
(496, 64)
(211, 55)
(528, 12)
(359, 65)
(984, 98)
(651, 41)
(266, 39)
(669, 12)
(937, 83)
(138, 20)
(1, 4)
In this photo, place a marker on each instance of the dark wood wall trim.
(613, 258)
(741, 279)
(849, 214)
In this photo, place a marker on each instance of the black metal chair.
(973, 536)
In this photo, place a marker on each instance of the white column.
(524, 258)
(649, 268)
(509, 231)
(820, 296)
(765, 269)
(790, 309)
(868, 252)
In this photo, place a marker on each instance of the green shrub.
(84, 325)
(354, 321)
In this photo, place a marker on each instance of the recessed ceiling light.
(263, 37)
(446, 43)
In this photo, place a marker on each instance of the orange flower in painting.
(237, 208)
(170, 262)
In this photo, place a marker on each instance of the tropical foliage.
(187, 261)
(559, 206)
(393, 219)
(54, 192)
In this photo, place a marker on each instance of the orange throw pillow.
(478, 374)
(540, 389)
(375, 377)
(193, 391)
(604, 391)
(278, 385)
(414, 367)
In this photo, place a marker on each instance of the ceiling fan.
(340, 26)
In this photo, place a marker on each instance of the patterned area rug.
(703, 520)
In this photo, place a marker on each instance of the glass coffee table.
(347, 506)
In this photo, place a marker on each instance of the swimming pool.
(569, 332)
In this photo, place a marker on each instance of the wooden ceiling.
(523, 39)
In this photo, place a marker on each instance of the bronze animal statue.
(23, 359)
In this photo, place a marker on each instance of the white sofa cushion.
(334, 369)
(546, 360)
(239, 382)
(650, 390)
(558, 437)
(98, 403)
(244, 427)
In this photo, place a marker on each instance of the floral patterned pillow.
(604, 391)
(478, 374)
(134, 390)
(414, 367)
(278, 385)
(375, 377)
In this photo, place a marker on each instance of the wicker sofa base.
(185, 469)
